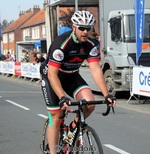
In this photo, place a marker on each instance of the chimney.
(29, 10)
(46, 2)
(21, 13)
(36, 8)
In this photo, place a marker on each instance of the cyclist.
(60, 73)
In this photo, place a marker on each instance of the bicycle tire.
(44, 144)
(95, 148)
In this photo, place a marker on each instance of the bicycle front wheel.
(90, 143)
(44, 145)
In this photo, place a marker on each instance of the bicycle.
(87, 140)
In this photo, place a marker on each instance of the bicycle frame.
(80, 112)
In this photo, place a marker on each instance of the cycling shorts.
(71, 83)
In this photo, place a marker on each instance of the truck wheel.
(110, 82)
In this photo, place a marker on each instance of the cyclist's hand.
(64, 102)
(111, 99)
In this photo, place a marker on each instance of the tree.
(66, 16)
(5, 23)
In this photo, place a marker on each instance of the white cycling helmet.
(83, 18)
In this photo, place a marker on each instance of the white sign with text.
(141, 81)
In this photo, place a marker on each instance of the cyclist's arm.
(54, 81)
(98, 77)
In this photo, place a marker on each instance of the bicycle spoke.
(45, 147)
(90, 143)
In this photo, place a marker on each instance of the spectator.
(9, 57)
(25, 56)
(39, 58)
(32, 56)
(45, 55)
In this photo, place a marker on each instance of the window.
(26, 34)
(129, 28)
(115, 26)
(5, 38)
(35, 33)
(147, 28)
(44, 31)
(11, 37)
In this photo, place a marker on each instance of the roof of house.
(21, 20)
(38, 18)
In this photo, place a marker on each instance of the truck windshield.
(129, 28)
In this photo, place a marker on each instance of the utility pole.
(76, 5)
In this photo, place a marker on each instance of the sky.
(10, 9)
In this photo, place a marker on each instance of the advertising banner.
(139, 27)
(18, 68)
(30, 70)
(141, 81)
(7, 67)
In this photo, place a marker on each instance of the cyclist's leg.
(79, 89)
(54, 113)
(86, 93)
(53, 131)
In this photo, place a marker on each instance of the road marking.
(116, 149)
(24, 92)
(43, 116)
(18, 105)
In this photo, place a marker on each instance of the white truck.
(118, 38)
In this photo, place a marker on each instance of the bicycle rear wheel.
(91, 143)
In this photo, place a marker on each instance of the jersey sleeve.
(56, 53)
(56, 57)
(94, 55)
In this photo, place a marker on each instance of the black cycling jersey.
(67, 55)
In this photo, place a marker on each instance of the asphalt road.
(22, 114)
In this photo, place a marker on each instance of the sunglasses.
(83, 28)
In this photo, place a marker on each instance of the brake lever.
(64, 114)
(113, 110)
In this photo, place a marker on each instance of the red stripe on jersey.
(93, 60)
(76, 59)
(56, 110)
(54, 64)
